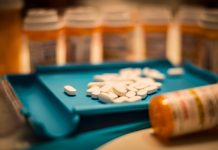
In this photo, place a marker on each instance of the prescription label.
(42, 53)
(117, 46)
(155, 44)
(191, 49)
(211, 52)
(195, 109)
(79, 48)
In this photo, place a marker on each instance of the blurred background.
(62, 32)
(58, 32)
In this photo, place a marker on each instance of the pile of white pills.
(129, 85)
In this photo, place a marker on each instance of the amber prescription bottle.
(188, 20)
(10, 36)
(209, 24)
(186, 111)
(117, 34)
(155, 22)
(42, 28)
(80, 26)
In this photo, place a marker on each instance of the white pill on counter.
(120, 90)
(142, 93)
(130, 94)
(119, 100)
(151, 89)
(133, 99)
(105, 98)
(175, 71)
(70, 90)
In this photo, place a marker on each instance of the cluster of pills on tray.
(129, 85)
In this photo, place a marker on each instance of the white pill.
(100, 78)
(158, 84)
(130, 94)
(95, 94)
(125, 71)
(151, 89)
(105, 97)
(119, 90)
(133, 99)
(146, 80)
(70, 90)
(92, 89)
(141, 86)
(153, 73)
(131, 88)
(138, 71)
(175, 71)
(157, 75)
(112, 95)
(142, 93)
(99, 84)
(106, 88)
(119, 100)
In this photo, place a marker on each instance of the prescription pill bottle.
(80, 26)
(155, 22)
(186, 111)
(42, 29)
(209, 24)
(117, 34)
(10, 36)
(191, 34)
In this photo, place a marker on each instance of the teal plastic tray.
(53, 114)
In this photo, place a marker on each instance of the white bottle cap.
(81, 17)
(153, 14)
(209, 19)
(116, 16)
(11, 4)
(41, 20)
(189, 15)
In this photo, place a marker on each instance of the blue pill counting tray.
(54, 114)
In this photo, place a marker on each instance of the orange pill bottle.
(42, 29)
(10, 36)
(81, 24)
(209, 24)
(155, 23)
(191, 34)
(117, 34)
(186, 111)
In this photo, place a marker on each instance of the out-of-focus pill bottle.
(42, 28)
(155, 22)
(10, 36)
(117, 34)
(191, 34)
(209, 24)
(186, 111)
(80, 26)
